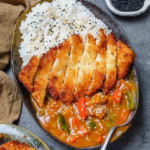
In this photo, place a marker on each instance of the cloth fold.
(10, 100)
(4, 60)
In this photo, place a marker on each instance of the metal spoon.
(132, 114)
(129, 14)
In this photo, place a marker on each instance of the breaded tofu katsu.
(125, 57)
(111, 69)
(71, 77)
(73, 70)
(41, 77)
(99, 64)
(57, 74)
(15, 145)
(27, 73)
(86, 67)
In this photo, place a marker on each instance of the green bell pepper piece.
(130, 99)
(63, 123)
(91, 124)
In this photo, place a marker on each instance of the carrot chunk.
(78, 130)
(117, 96)
(100, 139)
(124, 116)
(73, 138)
(81, 105)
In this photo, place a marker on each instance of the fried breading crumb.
(26, 75)
(24, 136)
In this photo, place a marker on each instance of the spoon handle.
(108, 138)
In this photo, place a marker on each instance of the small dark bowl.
(16, 61)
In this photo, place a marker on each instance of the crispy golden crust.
(72, 69)
(27, 73)
(111, 70)
(41, 78)
(86, 67)
(57, 74)
(125, 57)
(100, 64)
(15, 145)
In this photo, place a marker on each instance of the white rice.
(49, 24)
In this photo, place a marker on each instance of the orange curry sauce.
(92, 130)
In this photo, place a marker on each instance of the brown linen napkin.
(10, 10)
(10, 100)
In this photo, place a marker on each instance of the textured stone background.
(138, 136)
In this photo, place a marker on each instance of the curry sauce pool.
(87, 122)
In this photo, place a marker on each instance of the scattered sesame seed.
(71, 26)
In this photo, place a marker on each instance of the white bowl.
(129, 14)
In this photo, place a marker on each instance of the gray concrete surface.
(138, 136)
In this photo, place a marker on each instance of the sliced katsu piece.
(100, 64)
(57, 74)
(111, 69)
(27, 73)
(125, 57)
(41, 78)
(86, 67)
(71, 77)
